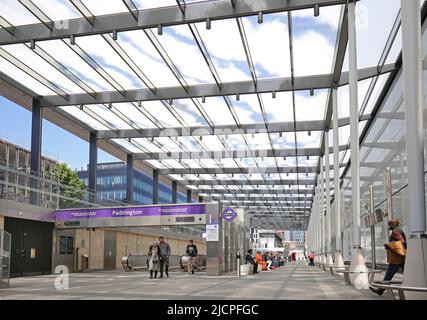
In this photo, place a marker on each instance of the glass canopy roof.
(220, 81)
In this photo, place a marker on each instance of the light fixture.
(110, 105)
(139, 104)
(200, 138)
(284, 158)
(280, 134)
(72, 39)
(171, 101)
(159, 29)
(203, 99)
(311, 92)
(32, 44)
(81, 107)
(308, 157)
(152, 139)
(114, 34)
(260, 17)
(237, 96)
(309, 133)
(316, 10)
(273, 94)
(130, 140)
(208, 23)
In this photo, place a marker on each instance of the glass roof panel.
(189, 112)
(161, 113)
(182, 48)
(16, 13)
(190, 163)
(212, 143)
(20, 76)
(151, 4)
(35, 62)
(247, 108)
(157, 164)
(100, 51)
(269, 45)
(147, 144)
(68, 58)
(84, 117)
(314, 40)
(279, 109)
(167, 143)
(286, 141)
(230, 64)
(310, 107)
(309, 141)
(217, 110)
(109, 116)
(101, 7)
(58, 10)
(127, 145)
(258, 141)
(145, 56)
(133, 113)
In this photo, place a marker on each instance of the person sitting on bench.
(251, 260)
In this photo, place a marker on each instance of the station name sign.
(130, 212)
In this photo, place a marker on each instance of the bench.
(332, 267)
(371, 274)
(396, 285)
(246, 269)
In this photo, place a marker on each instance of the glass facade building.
(111, 184)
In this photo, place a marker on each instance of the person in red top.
(311, 257)
(293, 256)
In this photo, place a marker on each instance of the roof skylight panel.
(38, 64)
(225, 48)
(309, 141)
(217, 110)
(106, 114)
(247, 108)
(169, 144)
(314, 40)
(157, 164)
(188, 111)
(310, 108)
(271, 57)
(104, 55)
(102, 7)
(161, 113)
(142, 52)
(286, 140)
(137, 117)
(151, 4)
(212, 142)
(22, 77)
(58, 10)
(84, 117)
(189, 61)
(16, 13)
(147, 144)
(280, 108)
(127, 145)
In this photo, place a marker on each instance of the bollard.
(238, 265)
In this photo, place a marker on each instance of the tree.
(70, 187)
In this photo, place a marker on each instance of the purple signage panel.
(130, 212)
(229, 214)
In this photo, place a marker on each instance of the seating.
(371, 274)
(398, 286)
(246, 269)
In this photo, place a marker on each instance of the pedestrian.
(191, 252)
(394, 224)
(396, 253)
(251, 260)
(311, 257)
(153, 259)
(165, 252)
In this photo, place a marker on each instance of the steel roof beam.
(211, 89)
(151, 18)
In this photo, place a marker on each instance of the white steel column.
(322, 208)
(339, 261)
(357, 259)
(415, 273)
(329, 260)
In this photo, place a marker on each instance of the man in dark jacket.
(251, 260)
(165, 252)
(191, 252)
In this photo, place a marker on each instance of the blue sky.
(15, 126)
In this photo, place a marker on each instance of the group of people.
(267, 260)
(158, 257)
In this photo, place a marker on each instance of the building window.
(62, 245)
(70, 245)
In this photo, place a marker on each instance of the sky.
(314, 41)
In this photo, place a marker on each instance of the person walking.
(191, 252)
(396, 253)
(153, 259)
(251, 260)
(164, 253)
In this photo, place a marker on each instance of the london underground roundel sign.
(229, 214)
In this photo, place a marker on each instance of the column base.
(359, 280)
(339, 262)
(415, 274)
(329, 260)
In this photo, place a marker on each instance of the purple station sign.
(130, 212)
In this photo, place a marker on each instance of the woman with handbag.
(153, 260)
